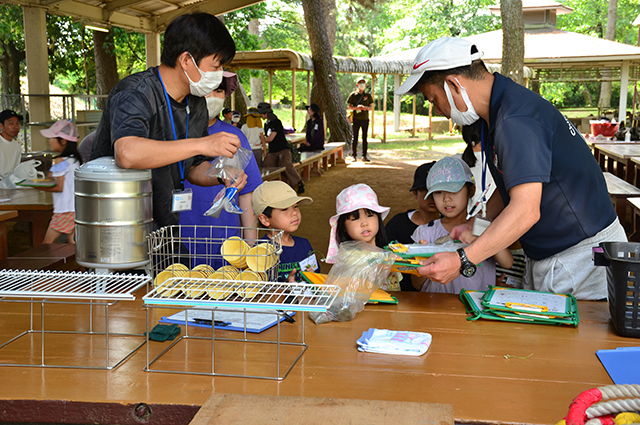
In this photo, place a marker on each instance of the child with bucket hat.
(275, 204)
(359, 217)
(63, 138)
(452, 184)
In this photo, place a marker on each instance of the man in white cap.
(555, 197)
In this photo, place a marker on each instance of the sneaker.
(365, 159)
(300, 188)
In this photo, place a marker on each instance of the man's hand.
(442, 267)
(221, 144)
(239, 182)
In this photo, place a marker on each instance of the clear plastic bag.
(230, 168)
(224, 200)
(359, 270)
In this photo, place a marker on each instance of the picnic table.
(34, 207)
(615, 157)
(490, 372)
(296, 138)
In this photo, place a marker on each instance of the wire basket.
(203, 252)
(623, 280)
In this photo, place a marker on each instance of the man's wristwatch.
(467, 268)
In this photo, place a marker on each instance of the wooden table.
(4, 216)
(296, 138)
(617, 156)
(619, 191)
(33, 206)
(467, 365)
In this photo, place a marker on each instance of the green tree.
(12, 52)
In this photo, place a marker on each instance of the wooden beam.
(119, 4)
(214, 7)
(293, 96)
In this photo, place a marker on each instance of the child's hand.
(423, 242)
(292, 277)
(464, 233)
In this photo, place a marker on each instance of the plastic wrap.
(359, 270)
(230, 168)
(225, 200)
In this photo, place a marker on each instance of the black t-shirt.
(137, 106)
(399, 229)
(531, 141)
(279, 143)
(356, 98)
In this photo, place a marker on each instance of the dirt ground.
(391, 178)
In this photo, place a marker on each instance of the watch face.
(468, 270)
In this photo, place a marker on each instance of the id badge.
(182, 200)
(480, 224)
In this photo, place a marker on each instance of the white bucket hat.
(441, 54)
(349, 200)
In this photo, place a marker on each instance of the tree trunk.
(512, 40)
(10, 71)
(257, 91)
(605, 88)
(106, 65)
(326, 91)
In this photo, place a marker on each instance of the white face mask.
(214, 106)
(209, 81)
(467, 117)
(362, 86)
(235, 119)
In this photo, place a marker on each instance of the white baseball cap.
(441, 54)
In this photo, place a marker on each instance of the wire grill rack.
(73, 288)
(70, 285)
(188, 292)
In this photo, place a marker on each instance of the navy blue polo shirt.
(531, 141)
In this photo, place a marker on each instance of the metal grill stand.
(70, 288)
(268, 298)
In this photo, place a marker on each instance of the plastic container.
(607, 129)
(622, 260)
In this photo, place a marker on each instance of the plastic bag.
(225, 200)
(24, 171)
(230, 168)
(359, 270)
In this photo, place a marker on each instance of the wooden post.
(373, 111)
(413, 132)
(308, 88)
(293, 100)
(270, 85)
(384, 109)
(233, 97)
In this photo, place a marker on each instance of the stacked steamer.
(245, 265)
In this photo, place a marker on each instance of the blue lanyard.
(484, 148)
(173, 127)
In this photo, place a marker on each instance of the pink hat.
(352, 199)
(231, 81)
(63, 129)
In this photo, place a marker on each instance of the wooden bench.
(317, 162)
(620, 191)
(634, 203)
(52, 257)
(253, 409)
(271, 173)
(4, 216)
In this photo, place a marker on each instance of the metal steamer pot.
(114, 215)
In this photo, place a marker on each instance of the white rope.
(620, 391)
(613, 406)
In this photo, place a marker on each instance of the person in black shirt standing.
(279, 153)
(360, 102)
(158, 118)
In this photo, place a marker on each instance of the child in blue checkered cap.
(452, 185)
